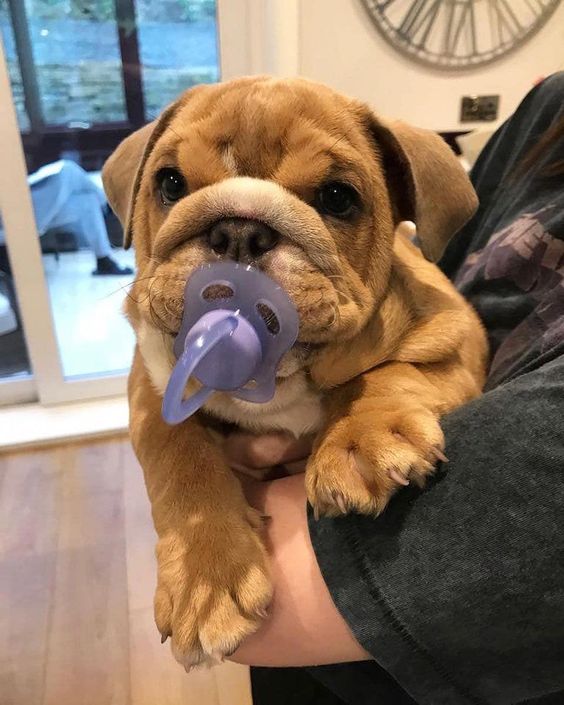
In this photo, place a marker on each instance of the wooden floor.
(76, 584)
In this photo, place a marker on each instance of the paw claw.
(438, 454)
(165, 636)
(396, 476)
(339, 501)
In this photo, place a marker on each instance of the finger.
(296, 467)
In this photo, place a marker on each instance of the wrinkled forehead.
(266, 128)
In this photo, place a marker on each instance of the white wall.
(339, 46)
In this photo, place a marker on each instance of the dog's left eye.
(172, 185)
(336, 199)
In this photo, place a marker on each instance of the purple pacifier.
(231, 344)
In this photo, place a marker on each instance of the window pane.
(75, 50)
(86, 269)
(177, 46)
(76, 58)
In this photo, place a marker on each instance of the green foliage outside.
(104, 10)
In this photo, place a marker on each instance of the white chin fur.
(158, 355)
(295, 408)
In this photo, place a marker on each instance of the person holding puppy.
(454, 594)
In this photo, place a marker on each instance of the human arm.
(304, 627)
(456, 591)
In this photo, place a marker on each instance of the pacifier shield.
(236, 326)
(260, 301)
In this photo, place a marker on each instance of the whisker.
(125, 286)
(348, 298)
(154, 315)
(168, 311)
(137, 301)
(157, 320)
(153, 259)
(139, 279)
(336, 316)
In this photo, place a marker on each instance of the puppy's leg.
(213, 585)
(382, 433)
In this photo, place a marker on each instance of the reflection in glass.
(84, 75)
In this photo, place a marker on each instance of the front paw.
(365, 458)
(213, 587)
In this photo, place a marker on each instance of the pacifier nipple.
(230, 342)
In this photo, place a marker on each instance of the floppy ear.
(119, 175)
(427, 183)
(122, 172)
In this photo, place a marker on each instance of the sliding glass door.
(76, 77)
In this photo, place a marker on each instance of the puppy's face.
(288, 176)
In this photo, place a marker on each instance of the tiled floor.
(93, 335)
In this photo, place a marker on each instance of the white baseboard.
(32, 424)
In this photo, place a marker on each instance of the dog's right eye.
(172, 185)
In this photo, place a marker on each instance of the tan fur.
(386, 345)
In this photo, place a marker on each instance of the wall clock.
(458, 34)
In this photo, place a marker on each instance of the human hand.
(247, 450)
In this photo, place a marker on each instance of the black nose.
(241, 239)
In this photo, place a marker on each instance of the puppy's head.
(291, 177)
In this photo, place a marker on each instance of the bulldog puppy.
(312, 188)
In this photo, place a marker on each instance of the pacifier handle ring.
(175, 409)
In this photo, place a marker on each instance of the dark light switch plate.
(479, 108)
